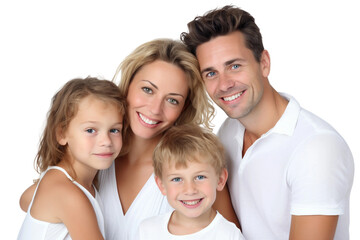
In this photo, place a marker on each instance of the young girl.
(82, 135)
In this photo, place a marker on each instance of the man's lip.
(233, 97)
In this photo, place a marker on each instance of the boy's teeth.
(148, 121)
(191, 203)
(233, 97)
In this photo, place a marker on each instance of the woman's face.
(156, 98)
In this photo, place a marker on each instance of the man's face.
(232, 76)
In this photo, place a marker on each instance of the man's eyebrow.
(227, 63)
(209, 69)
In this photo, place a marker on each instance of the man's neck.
(263, 117)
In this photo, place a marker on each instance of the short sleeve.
(320, 176)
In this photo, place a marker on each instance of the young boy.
(189, 166)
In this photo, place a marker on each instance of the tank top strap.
(61, 169)
(42, 175)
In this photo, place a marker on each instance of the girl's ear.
(222, 179)
(160, 185)
(60, 136)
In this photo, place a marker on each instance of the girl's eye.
(177, 179)
(147, 90)
(200, 177)
(173, 101)
(90, 130)
(115, 131)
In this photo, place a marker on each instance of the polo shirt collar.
(287, 123)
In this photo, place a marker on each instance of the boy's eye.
(200, 177)
(90, 130)
(177, 179)
(146, 89)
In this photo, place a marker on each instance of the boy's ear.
(222, 179)
(160, 185)
(60, 136)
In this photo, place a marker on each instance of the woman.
(163, 87)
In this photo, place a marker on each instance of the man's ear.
(222, 179)
(160, 185)
(60, 136)
(265, 63)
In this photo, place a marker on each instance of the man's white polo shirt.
(301, 166)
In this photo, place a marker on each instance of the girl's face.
(93, 137)
(156, 98)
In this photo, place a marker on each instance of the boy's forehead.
(197, 162)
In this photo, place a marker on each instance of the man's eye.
(147, 90)
(235, 66)
(210, 74)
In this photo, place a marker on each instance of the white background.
(313, 45)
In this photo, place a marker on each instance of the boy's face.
(191, 190)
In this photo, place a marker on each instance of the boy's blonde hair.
(189, 142)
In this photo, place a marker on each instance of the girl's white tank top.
(32, 228)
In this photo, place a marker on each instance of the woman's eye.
(147, 90)
(173, 101)
(90, 130)
(177, 179)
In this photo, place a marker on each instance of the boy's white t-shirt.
(156, 228)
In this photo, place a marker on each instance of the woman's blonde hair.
(197, 109)
(63, 109)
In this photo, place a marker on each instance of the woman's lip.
(147, 121)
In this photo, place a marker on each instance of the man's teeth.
(191, 203)
(146, 120)
(235, 96)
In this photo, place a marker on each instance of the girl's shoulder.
(57, 197)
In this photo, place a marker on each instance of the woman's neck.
(141, 149)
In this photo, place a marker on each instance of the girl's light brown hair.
(184, 143)
(197, 109)
(63, 109)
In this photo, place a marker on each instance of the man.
(290, 173)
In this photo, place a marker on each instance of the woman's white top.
(148, 203)
(33, 229)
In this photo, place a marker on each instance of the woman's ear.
(222, 179)
(60, 136)
(160, 185)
